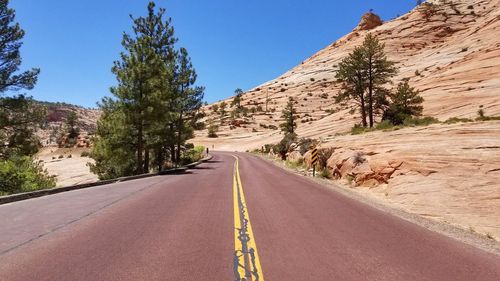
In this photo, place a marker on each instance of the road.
(235, 217)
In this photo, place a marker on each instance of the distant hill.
(56, 115)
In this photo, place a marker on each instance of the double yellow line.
(246, 263)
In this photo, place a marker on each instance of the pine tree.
(379, 71)
(364, 74)
(405, 102)
(114, 147)
(237, 98)
(353, 78)
(222, 109)
(156, 103)
(143, 66)
(188, 99)
(289, 115)
(10, 56)
(20, 116)
(71, 120)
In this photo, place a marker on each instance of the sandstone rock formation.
(369, 21)
(449, 50)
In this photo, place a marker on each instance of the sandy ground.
(69, 171)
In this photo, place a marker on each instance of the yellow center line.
(246, 258)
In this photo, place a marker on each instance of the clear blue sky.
(233, 43)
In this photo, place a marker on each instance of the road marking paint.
(246, 263)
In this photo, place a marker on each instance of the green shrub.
(358, 129)
(384, 125)
(305, 144)
(454, 120)
(192, 155)
(85, 154)
(284, 145)
(425, 121)
(21, 174)
(267, 148)
(482, 116)
(325, 173)
(212, 130)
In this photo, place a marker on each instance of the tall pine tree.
(353, 78)
(155, 103)
(20, 116)
(187, 100)
(289, 114)
(379, 71)
(364, 74)
(11, 35)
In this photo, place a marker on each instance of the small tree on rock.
(289, 115)
(222, 109)
(405, 102)
(237, 98)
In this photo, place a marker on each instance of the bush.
(384, 125)
(267, 148)
(306, 144)
(454, 120)
(192, 155)
(212, 130)
(69, 156)
(61, 156)
(71, 143)
(420, 121)
(325, 173)
(284, 145)
(323, 155)
(85, 154)
(272, 127)
(359, 158)
(358, 129)
(21, 174)
(482, 116)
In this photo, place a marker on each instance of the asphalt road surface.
(228, 219)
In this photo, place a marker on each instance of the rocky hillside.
(450, 50)
(56, 115)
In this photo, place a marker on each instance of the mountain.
(449, 50)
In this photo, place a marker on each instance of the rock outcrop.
(369, 21)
